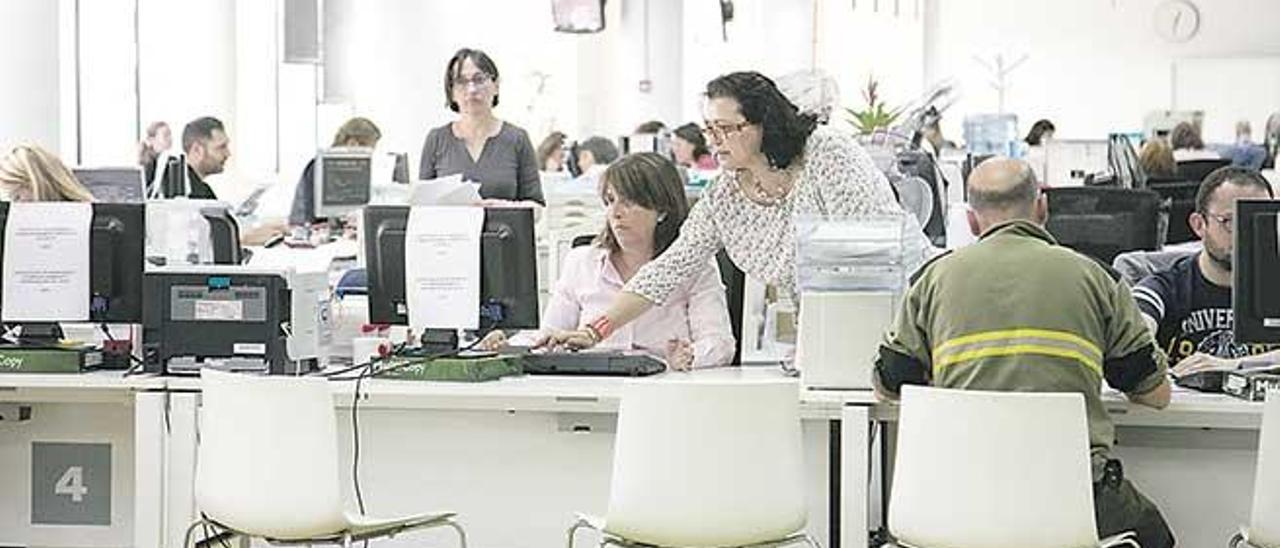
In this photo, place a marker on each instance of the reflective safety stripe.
(1014, 342)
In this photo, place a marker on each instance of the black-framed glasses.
(723, 131)
(479, 79)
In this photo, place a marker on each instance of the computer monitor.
(1103, 222)
(1181, 197)
(1255, 295)
(508, 267)
(342, 178)
(113, 185)
(116, 244)
(1069, 162)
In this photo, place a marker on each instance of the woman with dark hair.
(645, 203)
(690, 148)
(778, 164)
(1041, 131)
(551, 152)
(495, 154)
(1187, 144)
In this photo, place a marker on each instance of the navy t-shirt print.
(1193, 314)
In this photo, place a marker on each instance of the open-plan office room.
(708, 273)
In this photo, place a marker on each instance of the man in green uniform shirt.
(1017, 312)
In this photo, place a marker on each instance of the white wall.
(1093, 66)
(30, 107)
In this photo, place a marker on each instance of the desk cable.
(368, 370)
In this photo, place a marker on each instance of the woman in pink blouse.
(777, 164)
(646, 207)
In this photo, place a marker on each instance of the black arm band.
(1124, 373)
(896, 369)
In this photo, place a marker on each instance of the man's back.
(1017, 312)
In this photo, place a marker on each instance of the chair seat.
(1122, 539)
(368, 527)
(598, 523)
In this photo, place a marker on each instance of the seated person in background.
(1245, 153)
(1188, 306)
(980, 319)
(689, 147)
(159, 139)
(1187, 145)
(551, 153)
(207, 148)
(1156, 159)
(646, 206)
(652, 127)
(30, 173)
(356, 132)
(594, 155)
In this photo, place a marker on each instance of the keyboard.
(613, 363)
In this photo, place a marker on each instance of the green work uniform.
(1017, 312)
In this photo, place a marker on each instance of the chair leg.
(462, 535)
(573, 529)
(191, 531)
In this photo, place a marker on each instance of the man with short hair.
(207, 148)
(1017, 312)
(1188, 305)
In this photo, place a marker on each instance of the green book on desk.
(38, 359)
(453, 369)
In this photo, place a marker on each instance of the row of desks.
(517, 456)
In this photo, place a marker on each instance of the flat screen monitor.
(113, 185)
(342, 179)
(1069, 162)
(508, 267)
(1255, 296)
(1103, 222)
(116, 243)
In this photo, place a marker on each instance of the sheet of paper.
(442, 267)
(46, 262)
(445, 191)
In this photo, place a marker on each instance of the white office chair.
(993, 470)
(268, 466)
(705, 464)
(1264, 526)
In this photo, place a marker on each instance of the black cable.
(370, 370)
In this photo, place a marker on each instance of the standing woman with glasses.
(485, 150)
(777, 164)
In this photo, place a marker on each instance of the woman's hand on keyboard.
(679, 355)
(576, 339)
(493, 340)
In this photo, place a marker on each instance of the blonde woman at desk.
(646, 206)
(30, 173)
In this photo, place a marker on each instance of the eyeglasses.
(1226, 221)
(723, 131)
(479, 79)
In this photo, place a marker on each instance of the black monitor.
(342, 180)
(1255, 295)
(116, 247)
(508, 267)
(113, 185)
(1103, 222)
(224, 232)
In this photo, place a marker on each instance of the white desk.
(516, 456)
(97, 408)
